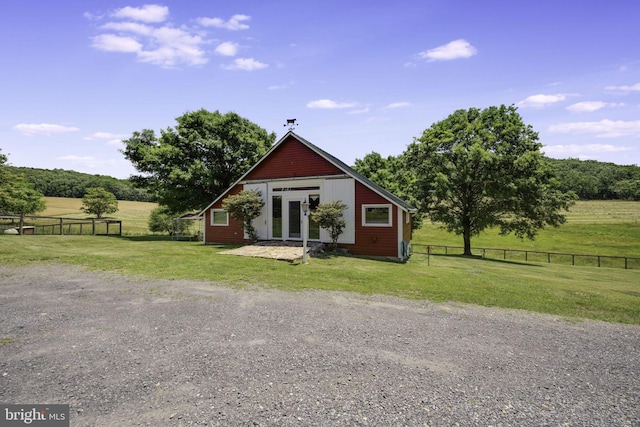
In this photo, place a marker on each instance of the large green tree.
(391, 174)
(191, 164)
(384, 171)
(483, 168)
(17, 195)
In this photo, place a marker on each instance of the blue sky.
(77, 76)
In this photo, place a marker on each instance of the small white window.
(219, 217)
(376, 216)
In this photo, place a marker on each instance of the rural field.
(601, 228)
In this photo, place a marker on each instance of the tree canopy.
(99, 202)
(162, 220)
(17, 195)
(391, 174)
(191, 164)
(483, 168)
(67, 183)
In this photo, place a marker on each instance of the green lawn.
(610, 294)
(588, 292)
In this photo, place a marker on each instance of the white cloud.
(129, 27)
(582, 150)
(625, 88)
(43, 129)
(330, 104)
(394, 105)
(146, 13)
(114, 43)
(453, 50)
(146, 32)
(112, 138)
(227, 49)
(591, 106)
(235, 23)
(541, 100)
(603, 128)
(105, 135)
(246, 64)
(165, 46)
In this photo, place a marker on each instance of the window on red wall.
(377, 215)
(219, 217)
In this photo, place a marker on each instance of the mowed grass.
(608, 294)
(593, 227)
(134, 215)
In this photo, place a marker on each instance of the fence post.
(573, 259)
(625, 263)
(598, 260)
(548, 257)
(526, 256)
(93, 227)
(428, 255)
(504, 254)
(61, 230)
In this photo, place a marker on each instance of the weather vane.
(291, 123)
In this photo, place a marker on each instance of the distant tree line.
(66, 183)
(589, 179)
(593, 180)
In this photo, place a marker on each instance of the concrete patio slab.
(285, 251)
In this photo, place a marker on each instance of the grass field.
(592, 227)
(609, 294)
(134, 215)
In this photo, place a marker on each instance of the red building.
(293, 171)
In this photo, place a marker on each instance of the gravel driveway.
(128, 351)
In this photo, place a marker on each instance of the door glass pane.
(294, 219)
(276, 211)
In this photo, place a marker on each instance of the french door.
(295, 220)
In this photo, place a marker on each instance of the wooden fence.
(522, 255)
(61, 226)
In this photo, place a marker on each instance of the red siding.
(375, 241)
(292, 159)
(233, 233)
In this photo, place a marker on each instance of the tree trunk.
(466, 235)
(467, 242)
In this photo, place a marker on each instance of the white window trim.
(364, 215)
(219, 225)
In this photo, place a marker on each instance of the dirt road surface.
(129, 351)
